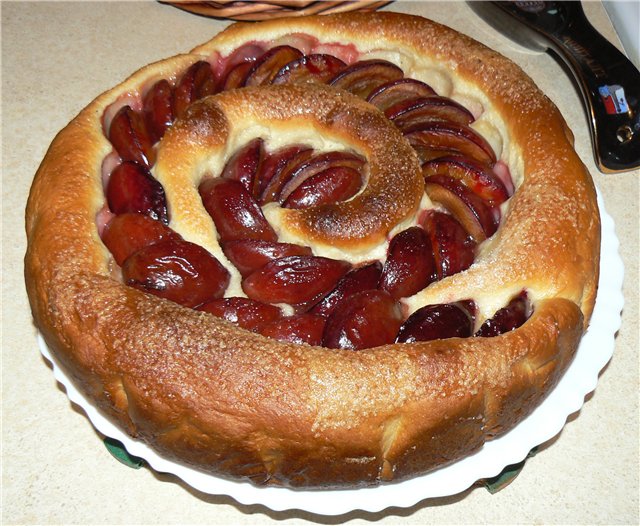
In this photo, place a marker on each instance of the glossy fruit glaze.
(291, 294)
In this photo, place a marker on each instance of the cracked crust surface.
(237, 404)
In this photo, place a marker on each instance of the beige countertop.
(56, 57)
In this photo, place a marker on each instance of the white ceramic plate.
(543, 424)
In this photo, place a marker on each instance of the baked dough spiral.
(235, 403)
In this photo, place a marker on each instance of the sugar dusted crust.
(237, 404)
(281, 115)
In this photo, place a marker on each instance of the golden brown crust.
(199, 141)
(237, 404)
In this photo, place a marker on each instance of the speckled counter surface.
(56, 57)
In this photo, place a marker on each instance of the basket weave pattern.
(265, 9)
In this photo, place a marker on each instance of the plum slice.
(234, 211)
(296, 280)
(356, 280)
(283, 172)
(131, 188)
(244, 312)
(508, 318)
(437, 139)
(474, 213)
(479, 177)
(299, 328)
(433, 322)
(367, 319)
(399, 90)
(248, 255)
(236, 76)
(332, 185)
(158, 109)
(244, 165)
(302, 164)
(267, 66)
(176, 270)
(128, 233)
(196, 83)
(315, 68)
(315, 164)
(273, 163)
(129, 136)
(245, 54)
(410, 265)
(362, 77)
(408, 114)
(453, 247)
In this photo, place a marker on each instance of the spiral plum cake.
(321, 252)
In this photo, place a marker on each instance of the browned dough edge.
(237, 404)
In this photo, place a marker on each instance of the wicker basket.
(264, 9)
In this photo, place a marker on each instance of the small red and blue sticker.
(614, 99)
